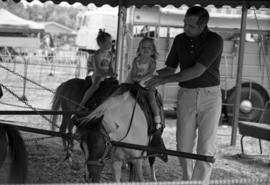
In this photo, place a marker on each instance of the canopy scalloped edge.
(163, 3)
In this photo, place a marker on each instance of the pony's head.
(95, 143)
(117, 119)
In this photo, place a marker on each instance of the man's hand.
(154, 81)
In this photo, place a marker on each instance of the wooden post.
(120, 39)
(239, 73)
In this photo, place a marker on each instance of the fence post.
(23, 98)
(78, 69)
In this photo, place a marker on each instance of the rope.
(13, 105)
(37, 84)
(27, 104)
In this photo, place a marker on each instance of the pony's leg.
(131, 172)
(152, 168)
(116, 169)
(70, 129)
(138, 169)
(54, 120)
(63, 128)
(153, 173)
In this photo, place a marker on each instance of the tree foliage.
(45, 12)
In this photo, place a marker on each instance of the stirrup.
(75, 119)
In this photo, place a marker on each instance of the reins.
(132, 116)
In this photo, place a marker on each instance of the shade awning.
(176, 3)
(12, 23)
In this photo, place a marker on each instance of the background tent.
(12, 23)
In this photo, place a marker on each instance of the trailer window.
(144, 31)
(175, 31)
(163, 31)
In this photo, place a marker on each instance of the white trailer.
(163, 24)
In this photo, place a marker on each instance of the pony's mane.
(110, 103)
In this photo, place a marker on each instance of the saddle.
(105, 90)
(139, 93)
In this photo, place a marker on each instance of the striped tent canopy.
(176, 3)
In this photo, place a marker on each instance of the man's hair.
(199, 11)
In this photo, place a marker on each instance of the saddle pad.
(140, 95)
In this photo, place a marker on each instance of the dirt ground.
(47, 165)
(46, 155)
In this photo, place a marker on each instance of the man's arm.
(166, 71)
(188, 74)
(210, 52)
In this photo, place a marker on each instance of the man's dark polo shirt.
(205, 49)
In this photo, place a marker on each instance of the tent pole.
(239, 73)
(120, 39)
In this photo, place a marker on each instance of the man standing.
(197, 52)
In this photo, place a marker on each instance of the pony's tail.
(18, 168)
(56, 102)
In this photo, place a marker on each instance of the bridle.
(108, 145)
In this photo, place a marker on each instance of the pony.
(68, 96)
(119, 118)
(11, 138)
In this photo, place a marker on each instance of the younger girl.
(103, 64)
(143, 68)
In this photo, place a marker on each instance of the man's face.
(191, 28)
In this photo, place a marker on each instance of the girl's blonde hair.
(148, 39)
